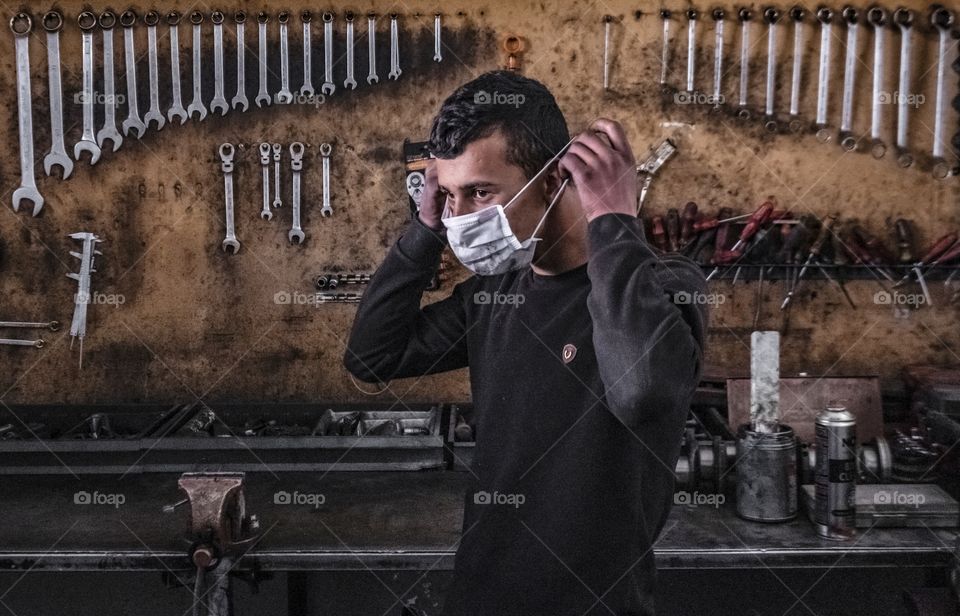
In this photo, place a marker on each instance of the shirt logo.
(569, 352)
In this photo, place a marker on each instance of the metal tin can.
(766, 474)
(835, 478)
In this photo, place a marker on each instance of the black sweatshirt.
(581, 384)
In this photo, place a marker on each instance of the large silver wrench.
(109, 131)
(349, 82)
(394, 49)
(718, 18)
(277, 200)
(797, 14)
(176, 105)
(437, 55)
(691, 47)
(372, 48)
(197, 106)
(328, 86)
(219, 102)
(852, 18)
(240, 100)
(230, 242)
(744, 15)
(877, 18)
(263, 95)
(88, 140)
(53, 23)
(296, 234)
(306, 90)
(904, 20)
(942, 20)
(284, 96)
(151, 19)
(771, 16)
(127, 19)
(825, 17)
(266, 213)
(665, 55)
(325, 149)
(21, 25)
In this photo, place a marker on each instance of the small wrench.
(28, 343)
(877, 18)
(51, 325)
(266, 213)
(21, 25)
(665, 55)
(176, 105)
(326, 211)
(744, 15)
(771, 16)
(219, 102)
(296, 164)
(230, 243)
(372, 48)
(240, 100)
(852, 17)
(127, 19)
(328, 86)
(825, 17)
(263, 95)
(942, 20)
(306, 91)
(284, 96)
(797, 14)
(277, 149)
(349, 82)
(53, 23)
(607, 19)
(394, 49)
(88, 141)
(718, 15)
(691, 47)
(197, 106)
(151, 18)
(904, 20)
(437, 55)
(109, 131)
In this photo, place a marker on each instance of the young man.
(584, 350)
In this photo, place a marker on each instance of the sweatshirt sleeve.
(392, 336)
(649, 321)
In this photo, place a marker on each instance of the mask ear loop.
(543, 170)
(559, 194)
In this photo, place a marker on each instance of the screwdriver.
(689, 220)
(904, 233)
(946, 257)
(757, 220)
(825, 230)
(939, 247)
(659, 238)
(673, 229)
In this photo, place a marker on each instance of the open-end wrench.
(306, 90)
(176, 105)
(296, 234)
(797, 14)
(607, 19)
(230, 243)
(127, 19)
(109, 131)
(665, 54)
(277, 150)
(904, 20)
(771, 16)
(372, 48)
(219, 101)
(266, 213)
(394, 49)
(691, 47)
(263, 95)
(852, 18)
(197, 106)
(718, 16)
(744, 15)
(21, 25)
(88, 140)
(328, 86)
(53, 23)
(437, 55)
(349, 82)
(284, 96)
(240, 100)
(942, 20)
(825, 17)
(325, 149)
(877, 18)
(151, 18)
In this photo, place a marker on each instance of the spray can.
(836, 472)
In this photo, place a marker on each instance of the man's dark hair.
(522, 108)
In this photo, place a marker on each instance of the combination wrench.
(825, 17)
(665, 53)
(263, 94)
(230, 243)
(53, 24)
(691, 48)
(296, 235)
(176, 105)
(904, 20)
(942, 20)
(197, 106)
(852, 18)
(51, 325)
(326, 211)
(21, 25)
(127, 19)
(372, 48)
(266, 213)
(394, 49)
(877, 18)
(240, 100)
(349, 82)
(109, 131)
(306, 90)
(771, 16)
(277, 200)
(744, 15)
(437, 54)
(328, 86)
(38, 344)
(607, 19)
(219, 102)
(284, 96)
(797, 15)
(151, 18)
(88, 140)
(718, 18)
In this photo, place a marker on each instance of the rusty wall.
(195, 322)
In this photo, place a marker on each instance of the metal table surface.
(378, 520)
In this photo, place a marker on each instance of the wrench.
(437, 56)
(277, 201)
(306, 91)
(21, 25)
(219, 102)
(197, 106)
(394, 49)
(109, 131)
(372, 48)
(240, 100)
(904, 20)
(606, 51)
(744, 15)
(51, 325)
(296, 164)
(718, 15)
(797, 14)
(847, 140)
(691, 47)
(28, 343)
(326, 211)
(263, 96)
(349, 82)
(665, 55)
(877, 18)
(230, 243)
(153, 114)
(265, 213)
(88, 141)
(942, 20)
(328, 86)
(53, 23)
(284, 96)
(825, 17)
(771, 16)
(127, 19)
(176, 105)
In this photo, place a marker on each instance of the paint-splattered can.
(836, 473)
